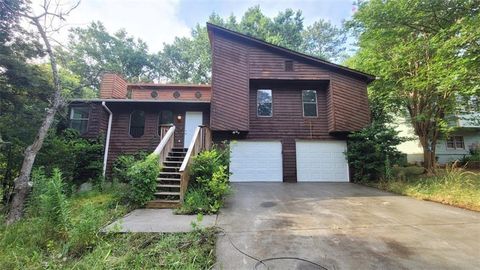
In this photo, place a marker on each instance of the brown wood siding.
(236, 62)
(186, 94)
(122, 143)
(264, 64)
(350, 104)
(230, 84)
(113, 86)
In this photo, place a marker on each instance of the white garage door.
(255, 161)
(322, 161)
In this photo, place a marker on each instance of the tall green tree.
(426, 54)
(92, 50)
(324, 40)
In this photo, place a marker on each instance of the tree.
(426, 55)
(56, 101)
(91, 51)
(326, 41)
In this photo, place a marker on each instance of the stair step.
(170, 168)
(159, 204)
(179, 150)
(172, 161)
(175, 158)
(170, 173)
(165, 193)
(167, 186)
(167, 179)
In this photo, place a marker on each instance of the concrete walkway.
(158, 220)
(344, 226)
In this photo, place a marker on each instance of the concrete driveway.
(344, 226)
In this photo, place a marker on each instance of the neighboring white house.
(465, 137)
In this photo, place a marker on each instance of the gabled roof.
(329, 65)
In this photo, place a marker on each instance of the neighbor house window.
(455, 142)
(165, 118)
(309, 100)
(137, 124)
(79, 118)
(264, 102)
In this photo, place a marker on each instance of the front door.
(192, 121)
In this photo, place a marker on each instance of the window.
(79, 118)
(309, 100)
(455, 142)
(264, 102)
(288, 65)
(137, 124)
(165, 118)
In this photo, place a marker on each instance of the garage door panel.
(256, 161)
(321, 161)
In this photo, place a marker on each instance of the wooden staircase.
(168, 181)
(172, 182)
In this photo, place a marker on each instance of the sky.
(159, 21)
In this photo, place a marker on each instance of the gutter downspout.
(107, 141)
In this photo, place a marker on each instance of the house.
(287, 114)
(460, 142)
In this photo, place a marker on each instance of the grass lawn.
(29, 244)
(455, 187)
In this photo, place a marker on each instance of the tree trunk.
(22, 187)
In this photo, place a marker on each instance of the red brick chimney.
(113, 86)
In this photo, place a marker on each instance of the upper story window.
(137, 124)
(165, 118)
(79, 118)
(455, 142)
(309, 102)
(264, 102)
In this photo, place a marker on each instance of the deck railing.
(165, 145)
(202, 140)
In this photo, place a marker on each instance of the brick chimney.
(113, 86)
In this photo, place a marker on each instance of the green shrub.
(121, 165)
(143, 180)
(209, 182)
(78, 158)
(372, 150)
(49, 203)
(84, 234)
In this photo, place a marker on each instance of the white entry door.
(256, 161)
(192, 121)
(322, 161)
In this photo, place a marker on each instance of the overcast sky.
(159, 21)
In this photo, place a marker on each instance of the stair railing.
(202, 140)
(165, 145)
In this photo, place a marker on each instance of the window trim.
(454, 139)
(130, 124)
(257, 103)
(309, 102)
(72, 108)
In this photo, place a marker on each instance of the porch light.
(179, 117)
